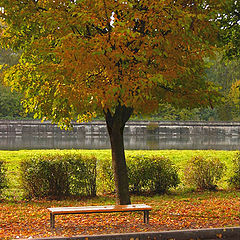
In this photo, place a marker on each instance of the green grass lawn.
(179, 157)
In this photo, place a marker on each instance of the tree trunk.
(115, 126)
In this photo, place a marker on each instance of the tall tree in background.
(116, 58)
(8, 57)
(230, 24)
(230, 38)
(10, 102)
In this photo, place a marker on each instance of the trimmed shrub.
(3, 179)
(203, 173)
(105, 178)
(57, 176)
(82, 175)
(151, 174)
(234, 180)
(146, 174)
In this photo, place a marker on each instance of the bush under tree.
(146, 174)
(203, 173)
(154, 174)
(235, 178)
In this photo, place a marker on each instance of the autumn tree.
(116, 58)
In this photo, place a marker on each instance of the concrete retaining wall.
(36, 128)
(196, 234)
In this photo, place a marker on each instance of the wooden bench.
(99, 209)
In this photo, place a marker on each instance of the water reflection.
(150, 142)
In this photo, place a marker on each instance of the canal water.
(102, 142)
(16, 135)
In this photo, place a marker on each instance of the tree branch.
(165, 88)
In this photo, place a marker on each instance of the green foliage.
(155, 174)
(105, 178)
(10, 103)
(8, 57)
(59, 175)
(225, 73)
(2, 176)
(230, 28)
(167, 112)
(222, 72)
(203, 173)
(82, 177)
(235, 178)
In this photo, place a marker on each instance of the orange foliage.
(77, 58)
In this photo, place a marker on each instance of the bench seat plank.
(102, 209)
(99, 209)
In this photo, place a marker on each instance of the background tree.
(225, 73)
(234, 95)
(230, 25)
(229, 21)
(10, 102)
(116, 58)
(8, 57)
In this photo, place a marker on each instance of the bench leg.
(146, 217)
(52, 220)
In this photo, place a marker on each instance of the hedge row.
(74, 175)
(58, 175)
(146, 174)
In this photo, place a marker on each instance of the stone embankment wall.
(141, 128)
(231, 233)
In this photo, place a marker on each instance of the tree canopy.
(115, 57)
(79, 61)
